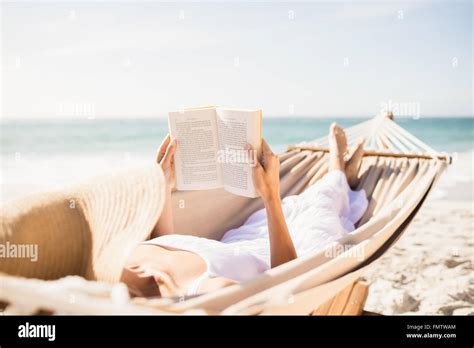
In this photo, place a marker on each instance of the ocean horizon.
(49, 153)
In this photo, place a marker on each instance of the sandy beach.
(430, 269)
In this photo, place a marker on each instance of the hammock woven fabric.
(397, 173)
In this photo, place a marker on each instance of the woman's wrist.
(272, 200)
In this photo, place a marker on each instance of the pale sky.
(145, 58)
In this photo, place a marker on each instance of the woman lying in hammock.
(174, 265)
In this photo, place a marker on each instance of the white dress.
(323, 213)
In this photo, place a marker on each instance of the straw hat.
(87, 230)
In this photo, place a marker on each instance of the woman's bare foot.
(337, 147)
(353, 164)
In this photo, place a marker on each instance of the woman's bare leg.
(353, 164)
(338, 150)
(337, 147)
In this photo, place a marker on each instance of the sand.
(430, 270)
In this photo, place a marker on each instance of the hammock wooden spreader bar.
(383, 137)
(369, 153)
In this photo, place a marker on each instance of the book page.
(195, 159)
(236, 128)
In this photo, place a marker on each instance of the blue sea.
(38, 155)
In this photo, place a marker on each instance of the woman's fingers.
(163, 147)
(253, 157)
(265, 172)
(266, 148)
(265, 155)
(169, 153)
(257, 174)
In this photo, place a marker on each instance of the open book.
(211, 148)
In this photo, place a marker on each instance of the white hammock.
(397, 172)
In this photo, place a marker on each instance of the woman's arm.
(165, 222)
(165, 158)
(281, 245)
(266, 177)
